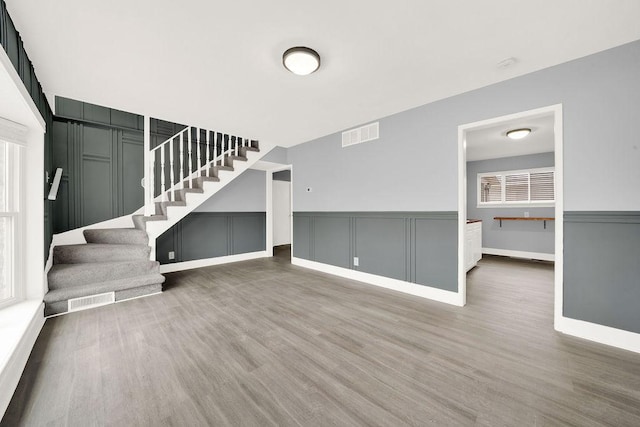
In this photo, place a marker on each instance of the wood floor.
(262, 343)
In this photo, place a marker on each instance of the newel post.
(148, 169)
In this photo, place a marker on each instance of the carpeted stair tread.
(102, 287)
(68, 275)
(118, 236)
(99, 252)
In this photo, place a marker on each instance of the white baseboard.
(428, 292)
(27, 319)
(519, 254)
(199, 263)
(599, 333)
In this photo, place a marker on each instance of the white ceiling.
(492, 142)
(217, 64)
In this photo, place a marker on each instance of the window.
(10, 220)
(533, 187)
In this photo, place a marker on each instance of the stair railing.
(216, 146)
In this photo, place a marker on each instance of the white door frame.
(269, 207)
(556, 111)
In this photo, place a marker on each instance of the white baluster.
(152, 182)
(206, 153)
(215, 148)
(172, 175)
(199, 151)
(163, 186)
(181, 160)
(235, 139)
(190, 167)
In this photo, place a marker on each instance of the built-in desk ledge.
(471, 221)
(518, 218)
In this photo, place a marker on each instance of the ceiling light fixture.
(518, 133)
(301, 60)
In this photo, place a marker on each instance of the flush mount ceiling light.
(301, 60)
(518, 133)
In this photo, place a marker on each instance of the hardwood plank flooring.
(262, 343)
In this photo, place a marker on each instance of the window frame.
(503, 203)
(15, 211)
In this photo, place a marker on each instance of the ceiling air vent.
(362, 134)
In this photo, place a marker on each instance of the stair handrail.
(213, 156)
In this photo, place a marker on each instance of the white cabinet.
(473, 245)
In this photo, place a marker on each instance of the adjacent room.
(345, 213)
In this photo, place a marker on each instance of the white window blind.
(491, 188)
(522, 187)
(542, 187)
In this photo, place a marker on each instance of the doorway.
(279, 218)
(519, 180)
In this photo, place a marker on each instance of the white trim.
(599, 333)
(275, 167)
(559, 215)
(440, 295)
(13, 132)
(29, 314)
(149, 206)
(102, 305)
(462, 213)
(556, 111)
(519, 254)
(132, 298)
(199, 263)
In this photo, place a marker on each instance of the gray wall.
(277, 155)
(284, 175)
(417, 247)
(601, 268)
(528, 236)
(246, 193)
(413, 166)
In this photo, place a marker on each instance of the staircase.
(112, 266)
(117, 263)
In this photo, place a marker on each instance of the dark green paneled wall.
(12, 43)
(101, 152)
(417, 247)
(202, 235)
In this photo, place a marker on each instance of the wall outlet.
(356, 261)
(172, 255)
(309, 189)
(526, 214)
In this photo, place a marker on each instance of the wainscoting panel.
(380, 245)
(205, 235)
(601, 268)
(436, 263)
(417, 247)
(302, 236)
(331, 243)
(248, 232)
